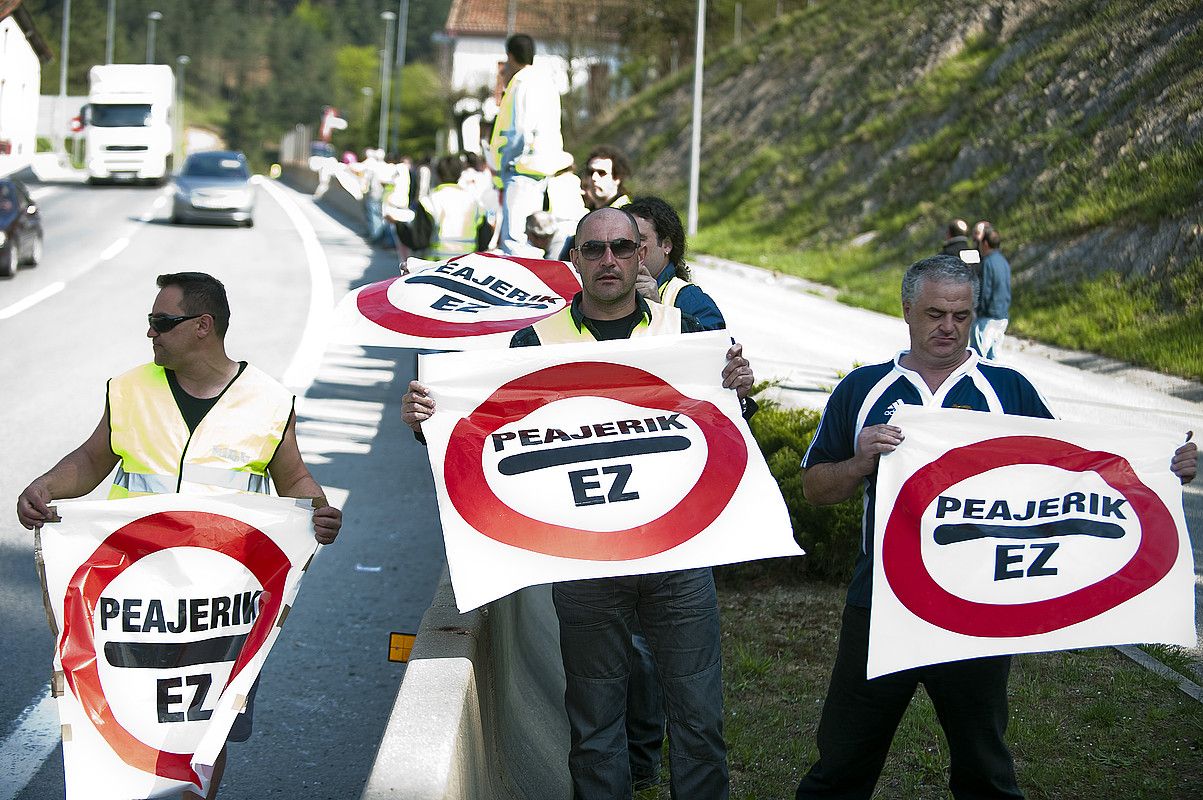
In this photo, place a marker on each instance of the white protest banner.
(590, 460)
(164, 609)
(468, 302)
(999, 534)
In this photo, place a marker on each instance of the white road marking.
(116, 247)
(31, 742)
(160, 201)
(307, 359)
(32, 300)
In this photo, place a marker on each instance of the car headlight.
(3, 238)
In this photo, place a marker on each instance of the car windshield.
(215, 167)
(133, 115)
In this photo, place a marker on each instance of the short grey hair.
(940, 269)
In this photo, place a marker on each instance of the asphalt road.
(328, 687)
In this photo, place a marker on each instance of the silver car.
(214, 186)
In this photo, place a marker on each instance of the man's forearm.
(76, 474)
(304, 486)
(827, 484)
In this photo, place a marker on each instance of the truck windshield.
(132, 115)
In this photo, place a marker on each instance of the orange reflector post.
(399, 645)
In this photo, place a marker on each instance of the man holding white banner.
(970, 697)
(678, 610)
(194, 422)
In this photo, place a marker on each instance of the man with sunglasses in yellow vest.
(678, 611)
(193, 422)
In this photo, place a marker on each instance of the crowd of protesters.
(641, 653)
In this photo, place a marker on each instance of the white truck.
(127, 123)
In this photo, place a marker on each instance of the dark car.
(214, 186)
(20, 228)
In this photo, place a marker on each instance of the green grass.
(1176, 658)
(1084, 723)
(1158, 323)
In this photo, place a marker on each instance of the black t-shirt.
(606, 330)
(192, 408)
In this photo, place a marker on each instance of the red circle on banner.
(374, 303)
(122, 550)
(915, 588)
(470, 493)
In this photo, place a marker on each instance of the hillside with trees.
(840, 140)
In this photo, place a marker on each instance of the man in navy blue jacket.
(970, 697)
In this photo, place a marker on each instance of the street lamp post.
(695, 143)
(402, 32)
(59, 122)
(151, 19)
(181, 62)
(110, 29)
(367, 92)
(386, 69)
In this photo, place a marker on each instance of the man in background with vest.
(678, 611)
(664, 276)
(193, 422)
(456, 214)
(525, 134)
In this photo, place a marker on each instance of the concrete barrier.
(480, 713)
(337, 190)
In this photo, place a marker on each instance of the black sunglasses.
(162, 323)
(621, 248)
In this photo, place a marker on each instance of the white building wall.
(474, 63)
(20, 81)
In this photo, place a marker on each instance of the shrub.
(830, 535)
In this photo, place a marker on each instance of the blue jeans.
(860, 717)
(374, 218)
(678, 614)
(645, 712)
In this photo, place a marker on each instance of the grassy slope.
(1076, 127)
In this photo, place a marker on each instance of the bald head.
(607, 255)
(607, 213)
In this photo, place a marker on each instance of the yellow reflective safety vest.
(227, 452)
(526, 132)
(671, 289)
(561, 328)
(456, 213)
